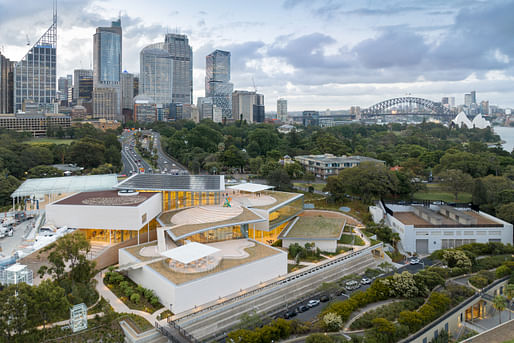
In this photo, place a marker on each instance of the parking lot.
(9, 245)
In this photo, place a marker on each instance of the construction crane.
(254, 88)
(28, 40)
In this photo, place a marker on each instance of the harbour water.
(507, 135)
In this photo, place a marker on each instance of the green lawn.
(348, 239)
(316, 186)
(316, 227)
(37, 141)
(435, 192)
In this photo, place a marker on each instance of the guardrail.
(293, 277)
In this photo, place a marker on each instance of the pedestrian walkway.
(360, 312)
(118, 305)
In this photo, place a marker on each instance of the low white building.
(426, 229)
(182, 279)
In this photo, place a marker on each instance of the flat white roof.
(251, 187)
(16, 268)
(189, 252)
(65, 184)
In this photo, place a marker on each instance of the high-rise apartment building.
(243, 105)
(156, 73)
(127, 90)
(6, 85)
(182, 56)
(107, 52)
(82, 86)
(217, 81)
(467, 100)
(282, 110)
(35, 75)
(473, 97)
(62, 88)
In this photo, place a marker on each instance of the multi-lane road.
(133, 162)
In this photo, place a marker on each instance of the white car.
(365, 281)
(313, 302)
(414, 260)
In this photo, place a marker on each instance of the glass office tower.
(107, 52)
(35, 74)
(182, 56)
(217, 81)
(156, 73)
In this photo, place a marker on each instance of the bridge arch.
(379, 108)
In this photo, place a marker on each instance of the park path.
(360, 312)
(118, 305)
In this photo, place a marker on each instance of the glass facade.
(156, 74)
(176, 200)
(182, 55)
(110, 57)
(215, 235)
(267, 237)
(217, 81)
(116, 236)
(285, 212)
(35, 74)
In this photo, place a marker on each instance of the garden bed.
(134, 296)
(351, 239)
(389, 312)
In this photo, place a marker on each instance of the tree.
(384, 330)
(499, 304)
(332, 321)
(8, 184)
(387, 267)
(250, 320)
(69, 251)
(455, 181)
(319, 338)
(50, 302)
(44, 171)
(506, 212)
(456, 258)
(279, 179)
(509, 294)
(87, 152)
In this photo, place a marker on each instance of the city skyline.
(330, 63)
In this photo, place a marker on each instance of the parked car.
(365, 281)
(313, 302)
(324, 298)
(301, 309)
(414, 260)
(289, 314)
(351, 285)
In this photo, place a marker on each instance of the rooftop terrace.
(317, 225)
(254, 253)
(106, 198)
(411, 218)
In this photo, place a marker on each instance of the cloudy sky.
(318, 54)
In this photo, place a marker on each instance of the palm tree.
(509, 293)
(499, 304)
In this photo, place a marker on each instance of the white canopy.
(251, 187)
(189, 252)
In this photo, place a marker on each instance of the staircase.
(97, 248)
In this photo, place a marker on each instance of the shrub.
(478, 281)
(456, 258)
(389, 312)
(154, 301)
(135, 298)
(319, 338)
(502, 271)
(129, 291)
(332, 321)
(403, 285)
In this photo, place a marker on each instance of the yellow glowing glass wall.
(116, 236)
(267, 237)
(215, 235)
(285, 212)
(175, 200)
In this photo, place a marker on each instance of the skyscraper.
(467, 100)
(243, 105)
(127, 90)
(473, 97)
(107, 52)
(81, 78)
(282, 110)
(182, 56)
(35, 75)
(217, 81)
(156, 73)
(6, 85)
(62, 87)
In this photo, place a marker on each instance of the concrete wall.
(323, 245)
(210, 288)
(104, 217)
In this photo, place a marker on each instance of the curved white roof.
(480, 122)
(462, 119)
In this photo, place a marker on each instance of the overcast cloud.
(318, 54)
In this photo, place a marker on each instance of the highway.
(313, 312)
(132, 160)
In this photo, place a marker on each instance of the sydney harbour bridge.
(408, 105)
